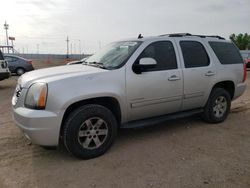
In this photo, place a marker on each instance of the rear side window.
(226, 52)
(194, 54)
(7, 58)
(164, 54)
(10, 59)
(1, 56)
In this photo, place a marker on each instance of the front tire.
(218, 106)
(89, 131)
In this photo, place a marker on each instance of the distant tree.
(241, 40)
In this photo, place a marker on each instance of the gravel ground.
(181, 153)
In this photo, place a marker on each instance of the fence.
(52, 56)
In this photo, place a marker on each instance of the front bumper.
(40, 126)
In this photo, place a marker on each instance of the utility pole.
(6, 27)
(67, 47)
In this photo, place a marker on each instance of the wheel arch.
(228, 85)
(109, 102)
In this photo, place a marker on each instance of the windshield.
(114, 55)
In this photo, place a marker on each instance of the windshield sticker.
(129, 43)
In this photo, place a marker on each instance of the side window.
(14, 59)
(164, 54)
(226, 52)
(9, 59)
(194, 54)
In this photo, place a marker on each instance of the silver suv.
(128, 84)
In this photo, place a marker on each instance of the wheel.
(20, 71)
(89, 131)
(218, 106)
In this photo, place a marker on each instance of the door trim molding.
(143, 103)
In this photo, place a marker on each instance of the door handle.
(173, 78)
(209, 73)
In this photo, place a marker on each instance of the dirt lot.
(182, 153)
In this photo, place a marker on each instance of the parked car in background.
(4, 71)
(18, 65)
(246, 56)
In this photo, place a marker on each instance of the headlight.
(36, 96)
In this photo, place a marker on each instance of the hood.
(55, 73)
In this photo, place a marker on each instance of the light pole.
(6, 27)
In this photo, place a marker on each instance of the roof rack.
(188, 34)
(177, 35)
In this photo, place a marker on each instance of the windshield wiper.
(96, 64)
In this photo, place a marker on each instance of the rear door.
(198, 72)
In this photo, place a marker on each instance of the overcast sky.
(94, 23)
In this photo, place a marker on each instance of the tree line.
(241, 40)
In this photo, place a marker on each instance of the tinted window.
(1, 56)
(194, 54)
(9, 59)
(164, 54)
(226, 52)
(14, 58)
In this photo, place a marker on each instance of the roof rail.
(176, 34)
(188, 34)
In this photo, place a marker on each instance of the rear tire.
(217, 107)
(89, 131)
(20, 71)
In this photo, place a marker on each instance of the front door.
(156, 91)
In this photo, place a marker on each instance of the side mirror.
(144, 64)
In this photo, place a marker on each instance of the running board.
(159, 119)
